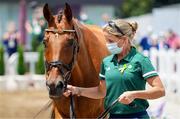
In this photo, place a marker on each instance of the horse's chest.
(81, 105)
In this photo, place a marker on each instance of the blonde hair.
(121, 27)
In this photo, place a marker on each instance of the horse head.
(61, 47)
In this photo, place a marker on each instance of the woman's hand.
(127, 97)
(72, 89)
(97, 92)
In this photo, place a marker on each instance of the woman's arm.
(93, 92)
(156, 91)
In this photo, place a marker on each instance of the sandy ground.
(25, 104)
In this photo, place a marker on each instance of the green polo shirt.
(129, 74)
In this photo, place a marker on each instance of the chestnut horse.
(73, 54)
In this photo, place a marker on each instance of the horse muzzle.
(55, 90)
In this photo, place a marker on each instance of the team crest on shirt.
(108, 68)
(129, 66)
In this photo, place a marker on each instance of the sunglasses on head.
(114, 26)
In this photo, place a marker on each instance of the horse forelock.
(59, 16)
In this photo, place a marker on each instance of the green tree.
(34, 43)
(40, 68)
(130, 8)
(159, 3)
(2, 66)
(21, 68)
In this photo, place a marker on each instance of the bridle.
(60, 64)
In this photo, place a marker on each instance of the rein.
(45, 107)
(72, 107)
(103, 114)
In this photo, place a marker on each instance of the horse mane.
(78, 28)
(94, 44)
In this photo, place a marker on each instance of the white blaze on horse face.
(54, 76)
(55, 47)
(56, 35)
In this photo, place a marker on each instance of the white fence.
(29, 57)
(167, 64)
(12, 81)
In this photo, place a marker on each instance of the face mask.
(113, 48)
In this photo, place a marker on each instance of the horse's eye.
(70, 42)
(45, 43)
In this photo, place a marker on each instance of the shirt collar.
(128, 57)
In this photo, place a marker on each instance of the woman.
(124, 75)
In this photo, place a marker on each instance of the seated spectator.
(145, 43)
(154, 41)
(173, 39)
(162, 41)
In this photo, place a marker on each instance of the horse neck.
(92, 51)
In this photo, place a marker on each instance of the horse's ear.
(68, 12)
(47, 13)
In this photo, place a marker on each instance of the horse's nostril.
(52, 86)
(60, 85)
(55, 89)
